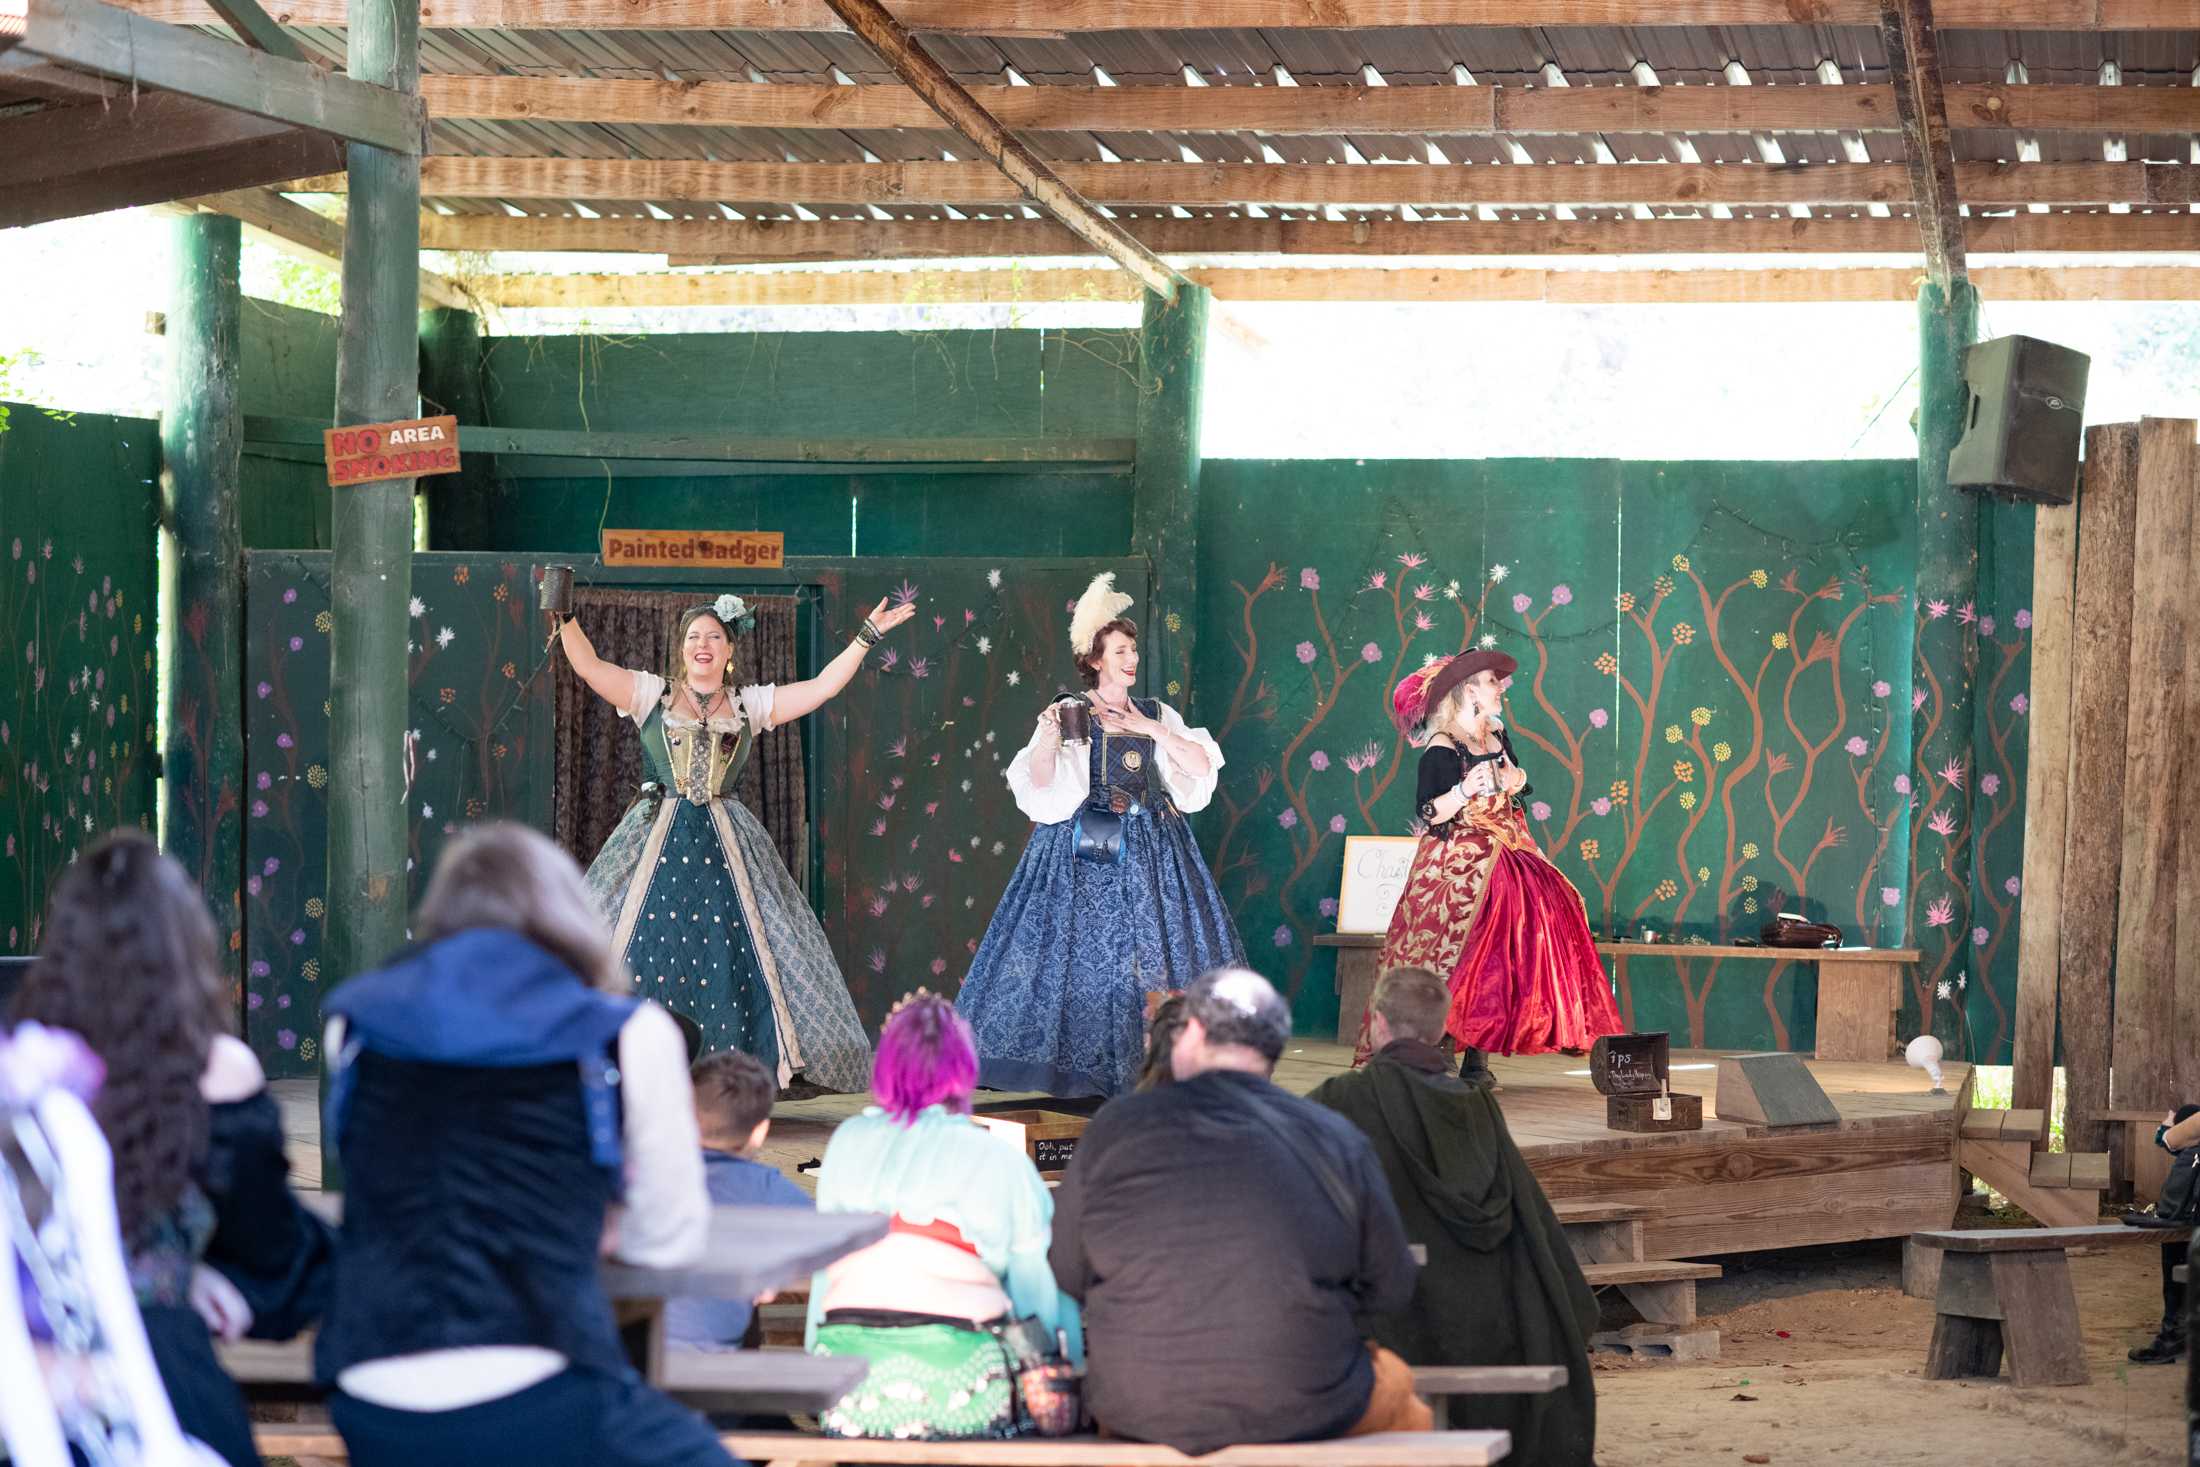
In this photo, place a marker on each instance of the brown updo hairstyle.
(676, 655)
(1088, 665)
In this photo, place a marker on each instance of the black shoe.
(2166, 1348)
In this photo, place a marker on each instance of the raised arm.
(792, 700)
(613, 684)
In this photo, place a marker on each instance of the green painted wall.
(1712, 703)
(78, 586)
(288, 370)
(2001, 624)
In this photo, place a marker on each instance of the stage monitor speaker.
(1775, 1089)
(2025, 420)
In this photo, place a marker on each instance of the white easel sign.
(1375, 868)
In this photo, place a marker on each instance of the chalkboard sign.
(1048, 1137)
(1375, 868)
(1052, 1153)
(1630, 1064)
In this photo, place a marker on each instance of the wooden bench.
(311, 1445)
(1859, 988)
(2008, 1290)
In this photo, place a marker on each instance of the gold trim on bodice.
(704, 759)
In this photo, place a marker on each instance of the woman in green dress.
(703, 910)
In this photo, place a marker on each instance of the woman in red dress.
(1482, 906)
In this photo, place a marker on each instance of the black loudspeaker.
(2026, 419)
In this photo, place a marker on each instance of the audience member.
(2175, 1213)
(1225, 1239)
(503, 1114)
(1500, 1285)
(733, 1115)
(934, 1305)
(214, 1238)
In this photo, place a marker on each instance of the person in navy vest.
(504, 1113)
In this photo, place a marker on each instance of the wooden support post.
(1913, 65)
(2185, 1064)
(2046, 803)
(370, 574)
(2100, 691)
(202, 581)
(450, 366)
(944, 95)
(1945, 659)
(2146, 918)
(1172, 356)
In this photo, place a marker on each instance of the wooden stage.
(1886, 1170)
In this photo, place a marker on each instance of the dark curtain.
(599, 759)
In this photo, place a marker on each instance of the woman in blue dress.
(703, 912)
(1111, 902)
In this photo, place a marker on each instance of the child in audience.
(733, 1115)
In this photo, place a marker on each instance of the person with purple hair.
(936, 1305)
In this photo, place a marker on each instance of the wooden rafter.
(784, 288)
(256, 28)
(1308, 111)
(297, 230)
(1055, 18)
(1913, 59)
(104, 40)
(731, 242)
(1301, 184)
(1023, 170)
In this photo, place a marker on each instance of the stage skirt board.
(1886, 1169)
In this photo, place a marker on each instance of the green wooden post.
(451, 382)
(202, 582)
(1172, 360)
(377, 379)
(1945, 664)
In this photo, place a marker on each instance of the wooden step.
(1598, 1212)
(2004, 1125)
(1651, 1271)
(2081, 1169)
(1602, 1232)
(1662, 1291)
(2006, 1166)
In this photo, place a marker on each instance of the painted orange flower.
(460, 574)
(1683, 634)
(1588, 850)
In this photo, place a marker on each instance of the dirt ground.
(1822, 1360)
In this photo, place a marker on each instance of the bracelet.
(869, 635)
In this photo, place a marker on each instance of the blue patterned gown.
(705, 914)
(1057, 991)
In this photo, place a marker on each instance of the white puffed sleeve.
(756, 702)
(1192, 792)
(648, 688)
(1058, 801)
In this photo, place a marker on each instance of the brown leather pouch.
(1789, 930)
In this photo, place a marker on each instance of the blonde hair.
(506, 875)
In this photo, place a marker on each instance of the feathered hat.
(1100, 604)
(1420, 692)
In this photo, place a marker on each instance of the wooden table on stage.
(1859, 988)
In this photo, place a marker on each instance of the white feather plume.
(1100, 604)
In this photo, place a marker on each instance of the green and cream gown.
(703, 910)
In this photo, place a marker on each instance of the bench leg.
(2040, 1318)
(1963, 1347)
(1671, 1302)
(1856, 1008)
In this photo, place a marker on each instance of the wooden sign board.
(1048, 1137)
(1630, 1064)
(748, 549)
(374, 452)
(1375, 868)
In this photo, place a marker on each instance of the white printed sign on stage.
(1375, 868)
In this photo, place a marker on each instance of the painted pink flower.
(1989, 784)
(1856, 745)
(1936, 609)
(1940, 913)
(259, 809)
(1319, 759)
(931, 808)
(284, 1039)
(1423, 622)
(255, 1000)
(1902, 784)
(285, 741)
(1287, 817)
(1917, 699)
(1601, 805)
(1978, 937)
(920, 667)
(1377, 581)
(1539, 811)
(1952, 774)
(2013, 885)
(1521, 602)
(1598, 718)
(878, 827)
(969, 616)
(2020, 704)
(1881, 688)
(265, 690)
(1967, 614)
(252, 885)
(1336, 825)
(290, 594)
(905, 594)
(1424, 592)
(1281, 937)
(939, 966)
(1328, 906)
(1305, 651)
(877, 960)
(1562, 595)
(1412, 561)
(888, 659)
(1986, 626)
(1371, 653)
(886, 801)
(878, 906)
(1310, 579)
(2023, 618)
(1943, 823)
(270, 866)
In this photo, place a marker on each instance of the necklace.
(704, 701)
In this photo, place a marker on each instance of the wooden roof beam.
(1288, 184)
(256, 29)
(1913, 59)
(1307, 111)
(1057, 18)
(1017, 163)
(104, 40)
(298, 231)
(751, 242)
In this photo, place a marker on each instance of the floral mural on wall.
(478, 730)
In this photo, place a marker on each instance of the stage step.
(2005, 1125)
(1602, 1232)
(2056, 1190)
(1662, 1291)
